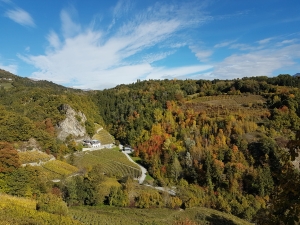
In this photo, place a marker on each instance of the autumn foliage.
(9, 159)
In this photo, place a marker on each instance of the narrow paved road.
(171, 191)
(144, 171)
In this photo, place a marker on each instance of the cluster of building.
(92, 143)
(8, 79)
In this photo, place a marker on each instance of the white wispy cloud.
(246, 47)
(121, 8)
(54, 41)
(257, 63)
(153, 57)
(287, 42)
(264, 41)
(69, 27)
(89, 58)
(20, 16)
(184, 71)
(201, 53)
(10, 68)
(224, 44)
(178, 44)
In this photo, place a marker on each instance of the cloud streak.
(20, 16)
(257, 63)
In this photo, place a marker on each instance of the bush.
(52, 204)
(149, 199)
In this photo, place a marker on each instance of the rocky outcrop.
(73, 124)
(31, 144)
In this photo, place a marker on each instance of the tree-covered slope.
(221, 144)
(228, 137)
(32, 109)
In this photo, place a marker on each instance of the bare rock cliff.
(73, 124)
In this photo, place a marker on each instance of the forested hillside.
(229, 145)
(32, 109)
(227, 137)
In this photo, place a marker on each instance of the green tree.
(117, 197)
(70, 192)
(149, 199)
(52, 204)
(25, 180)
(90, 127)
(284, 206)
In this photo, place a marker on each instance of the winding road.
(141, 179)
(144, 171)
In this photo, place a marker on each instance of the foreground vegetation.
(15, 210)
(123, 216)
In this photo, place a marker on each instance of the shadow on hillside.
(219, 220)
(139, 161)
(213, 219)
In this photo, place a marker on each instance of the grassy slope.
(5, 85)
(163, 216)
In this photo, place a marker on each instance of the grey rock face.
(73, 124)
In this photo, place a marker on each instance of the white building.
(92, 143)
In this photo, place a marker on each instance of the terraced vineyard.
(60, 168)
(103, 136)
(114, 163)
(33, 156)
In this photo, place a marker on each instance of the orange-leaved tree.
(9, 158)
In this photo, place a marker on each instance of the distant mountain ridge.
(29, 82)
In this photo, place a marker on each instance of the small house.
(92, 143)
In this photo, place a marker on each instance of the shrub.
(52, 204)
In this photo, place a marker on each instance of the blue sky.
(99, 44)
